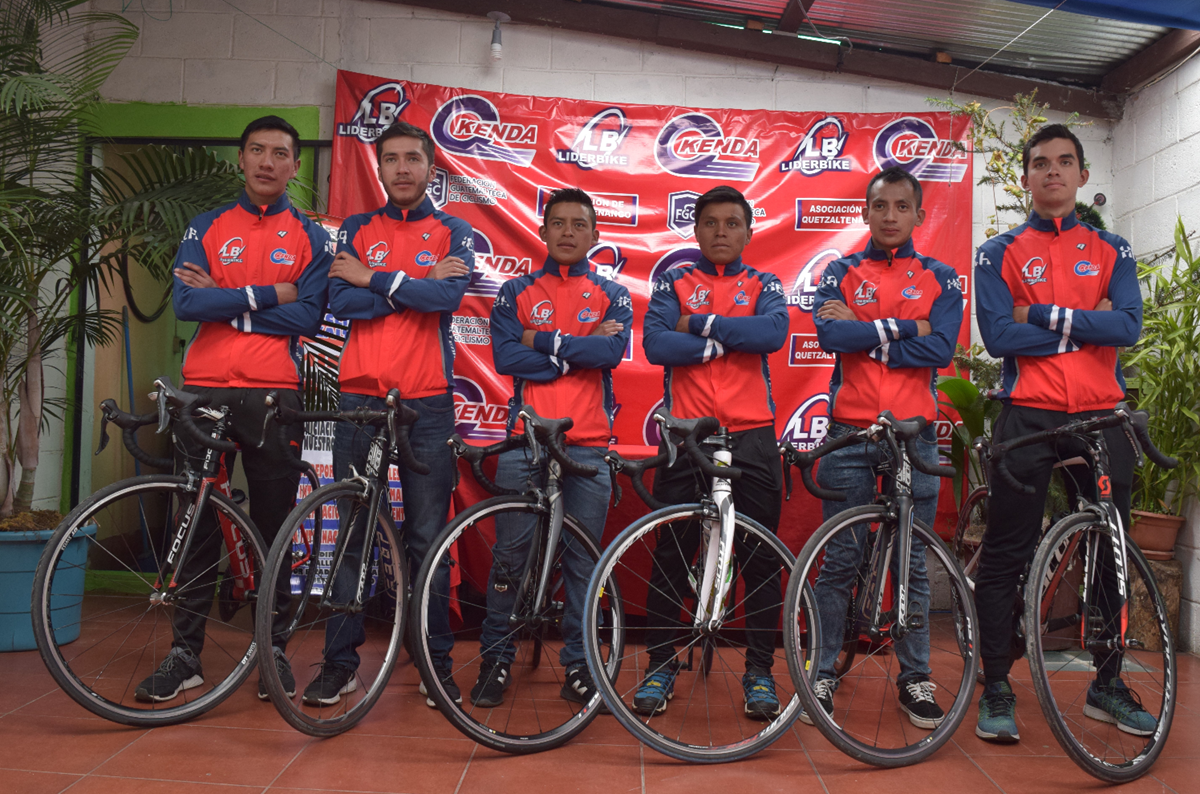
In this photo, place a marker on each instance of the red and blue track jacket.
(567, 372)
(882, 364)
(1065, 357)
(400, 325)
(737, 316)
(246, 339)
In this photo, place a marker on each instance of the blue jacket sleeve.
(509, 355)
(212, 304)
(852, 336)
(346, 301)
(594, 352)
(1119, 327)
(304, 315)
(665, 346)
(936, 348)
(431, 294)
(765, 332)
(1002, 335)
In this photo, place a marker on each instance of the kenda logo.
(377, 110)
(541, 313)
(470, 126)
(694, 145)
(804, 290)
(1086, 268)
(700, 297)
(740, 299)
(912, 144)
(588, 315)
(820, 150)
(492, 269)
(231, 251)
(807, 427)
(426, 258)
(911, 292)
(598, 143)
(476, 419)
(1032, 270)
(607, 259)
(281, 256)
(684, 256)
(377, 255)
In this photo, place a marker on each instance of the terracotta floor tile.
(1179, 774)
(34, 782)
(61, 744)
(100, 784)
(403, 712)
(54, 703)
(1056, 775)
(380, 764)
(24, 688)
(770, 770)
(947, 770)
(574, 767)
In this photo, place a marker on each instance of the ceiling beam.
(794, 15)
(1151, 62)
(784, 50)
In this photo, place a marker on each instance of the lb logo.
(651, 432)
(475, 419)
(820, 150)
(911, 292)
(804, 289)
(426, 258)
(740, 299)
(809, 424)
(588, 315)
(694, 145)
(492, 268)
(542, 312)
(377, 255)
(684, 256)
(231, 251)
(607, 259)
(470, 126)
(1032, 272)
(598, 143)
(281, 256)
(1085, 268)
(912, 144)
(865, 294)
(700, 297)
(377, 110)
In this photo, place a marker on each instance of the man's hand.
(195, 276)
(527, 337)
(1021, 314)
(449, 267)
(1105, 305)
(835, 310)
(285, 292)
(608, 328)
(350, 270)
(924, 328)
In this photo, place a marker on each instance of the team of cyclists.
(1055, 299)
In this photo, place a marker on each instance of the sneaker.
(998, 714)
(758, 687)
(656, 689)
(823, 689)
(494, 678)
(179, 671)
(448, 684)
(1118, 704)
(331, 683)
(579, 686)
(916, 698)
(284, 668)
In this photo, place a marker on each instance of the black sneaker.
(448, 684)
(330, 684)
(179, 671)
(579, 686)
(284, 668)
(494, 678)
(916, 698)
(823, 689)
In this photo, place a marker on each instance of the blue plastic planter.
(19, 555)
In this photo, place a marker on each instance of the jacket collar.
(578, 269)
(906, 251)
(733, 268)
(281, 205)
(424, 210)
(1052, 224)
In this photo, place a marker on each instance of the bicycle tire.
(728, 741)
(874, 681)
(1059, 679)
(384, 611)
(124, 629)
(968, 539)
(533, 717)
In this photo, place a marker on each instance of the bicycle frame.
(374, 483)
(718, 557)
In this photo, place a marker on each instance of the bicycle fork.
(718, 555)
(554, 499)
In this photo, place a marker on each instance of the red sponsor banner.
(805, 174)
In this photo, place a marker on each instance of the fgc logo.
(231, 251)
(598, 143)
(493, 269)
(820, 150)
(694, 145)
(804, 290)
(807, 427)
(912, 144)
(470, 126)
(377, 255)
(475, 419)
(377, 111)
(681, 212)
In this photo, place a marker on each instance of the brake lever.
(164, 413)
(267, 419)
(535, 455)
(103, 433)
(672, 450)
(616, 482)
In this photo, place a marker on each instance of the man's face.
(269, 162)
(569, 232)
(1054, 175)
(892, 214)
(722, 232)
(405, 171)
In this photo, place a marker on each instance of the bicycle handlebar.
(185, 404)
(550, 432)
(691, 432)
(476, 455)
(129, 424)
(635, 470)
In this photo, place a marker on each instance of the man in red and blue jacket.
(892, 317)
(1055, 298)
(253, 274)
(711, 326)
(559, 332)
(399, 274)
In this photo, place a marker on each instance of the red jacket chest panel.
(905, 290)
(729, 296)
(572, 305)
(413, 246)
(1071, 269)
(243, 249)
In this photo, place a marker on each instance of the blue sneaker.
(759, 688)
(998, 714)
(657, 688)
(1118, 704)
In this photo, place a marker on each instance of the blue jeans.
(426, 503)
(585, 498)
(854, 470)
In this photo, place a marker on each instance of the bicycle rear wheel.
(320, 623)
(706, 720)
(968, 532)
(869, 723)
(103, 625)
(1067, 659)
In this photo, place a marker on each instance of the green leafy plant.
(966, 394)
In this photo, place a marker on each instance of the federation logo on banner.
(438, 188)
(598, 143)
(820, 150)
(830, 214)
(470, 126)
(683, 256)
(694, 145)
(681, 212)
(614, 209)
(475, 419)
(492, 269)
(607, 259)
(912, 144)
(377, 110)
(808, 425)
(805, 351)
(804, 289)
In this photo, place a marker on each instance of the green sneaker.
(1118, 704)
(998, 714)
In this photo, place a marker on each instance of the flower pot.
(1154, 533)
(19, 555)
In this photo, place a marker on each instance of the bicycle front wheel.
(875, 719)
(968, 532)
(1094, 658)
(707, 710)
(341, 651)
(104, 619)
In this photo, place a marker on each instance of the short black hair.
(569, 195)
(272, 123)
(893, 175)
(402, 129)
(724, 194)
(1049, 133)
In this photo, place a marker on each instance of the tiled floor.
(49, 744)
